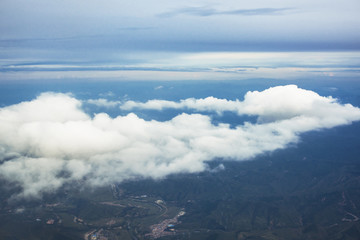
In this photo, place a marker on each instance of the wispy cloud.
(102, 102)
(192, 66)
(135, 28)
(159, 87)
(205, 11)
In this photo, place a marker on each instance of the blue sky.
(165, 40)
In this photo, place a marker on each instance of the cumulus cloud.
(50, 141)
(277, 103)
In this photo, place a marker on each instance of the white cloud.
(50, 141)
(203, 104)
(277, 103)
(102, 102)
(107, 94)
(159, 87)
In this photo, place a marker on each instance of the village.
(166, 227)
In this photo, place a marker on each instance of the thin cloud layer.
(205, 12)
(50, 141)
(103, 102)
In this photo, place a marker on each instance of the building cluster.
(165, 228)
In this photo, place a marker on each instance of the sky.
(51, 140)
(172, 40)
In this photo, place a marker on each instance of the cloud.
(50, 141)
(102, 102)
(205, 12)
(204, 104)
(158, 87)
(273, 104)
(219, 168)
(135, 28)
(107, 94)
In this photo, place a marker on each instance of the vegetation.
(311, 191)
